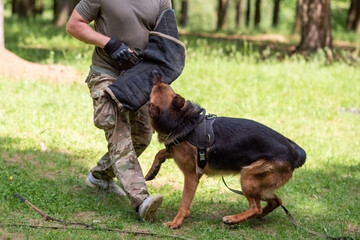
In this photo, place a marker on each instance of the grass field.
(48, 144)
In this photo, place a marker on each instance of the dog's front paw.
(173, 225)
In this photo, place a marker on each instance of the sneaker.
(148, 208)
(110, 185)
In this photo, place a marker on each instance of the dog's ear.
(178, 101)
(154, 111)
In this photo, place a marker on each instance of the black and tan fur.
(264, 158)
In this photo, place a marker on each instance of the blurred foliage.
(202, 17)
(36, 39)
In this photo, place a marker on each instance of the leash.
(86, 226)
(292, 219)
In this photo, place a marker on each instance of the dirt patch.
(11, 235)
(15, 159)
(86, 216)
(17, 68)
(353, 228)
(162, 181)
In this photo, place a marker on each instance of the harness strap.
(291, 218)
(202, 136)
(202, 159)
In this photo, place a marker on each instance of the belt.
(103, 70)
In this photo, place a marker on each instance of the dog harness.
(202, 136)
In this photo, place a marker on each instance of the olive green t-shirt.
(126, 20)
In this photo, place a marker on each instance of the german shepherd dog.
(264, 158)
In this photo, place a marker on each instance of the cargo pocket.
(104, 110)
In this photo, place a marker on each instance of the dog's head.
(165, 106)
(163, 98)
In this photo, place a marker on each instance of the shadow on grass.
(54, 182)
(324, 200)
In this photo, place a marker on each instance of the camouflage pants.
(127, 133)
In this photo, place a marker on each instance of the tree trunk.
(2, 36)
(55, 7)
(297, 24)
(248, 12)
(257, 13)
(184, 13)
(353, 18)
(222, 9)
(275, 19)
(39, 7)
(238, 8)
(315, 26)
(23, 8)
(63, 10)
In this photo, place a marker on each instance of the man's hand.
(117, 50)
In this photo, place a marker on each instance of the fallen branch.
(86, 226)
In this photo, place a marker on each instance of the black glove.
(117, 50)
(132, 61)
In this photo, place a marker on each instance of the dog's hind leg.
(159, 159)
(258, 182)
(253, 210)
(251, 190)
(279, 173)
(272, 204)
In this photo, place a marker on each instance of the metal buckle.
(208, 137)
(176, 142)
(211, 116)
(202, 155)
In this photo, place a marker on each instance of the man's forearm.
(79, 28)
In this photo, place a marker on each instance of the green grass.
(300, 99)
(48, 143)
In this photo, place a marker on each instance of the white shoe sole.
(90, 184)
(149, 214)
(115, 189)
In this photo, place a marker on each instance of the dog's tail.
(301, 154)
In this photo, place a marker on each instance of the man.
(120, 27)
